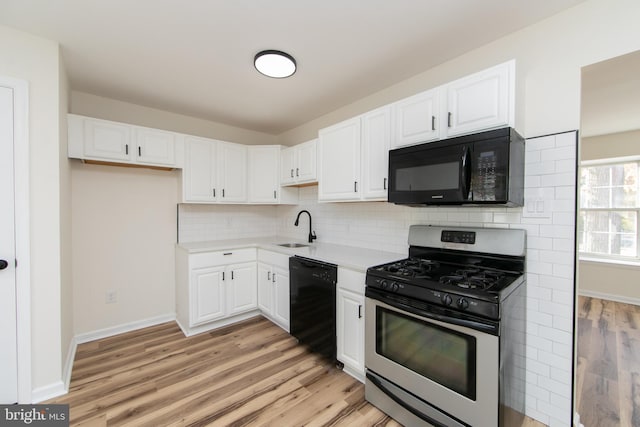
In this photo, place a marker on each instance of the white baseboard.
(195, 330)
(68, 364)
(47, 392)
(126, 327)
(610, 297)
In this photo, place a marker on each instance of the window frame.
(596, 256)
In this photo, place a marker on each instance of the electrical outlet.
(111, 297)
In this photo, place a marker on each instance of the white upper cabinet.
(299, 164)
(353, 158)
(375, 142)
(105, 141)
(264, 169)
(199, 177)
(339, 161)
(264, 176)
(214, 172)
(232, 173)
(416, 119)
(480, 101)
(155, 146)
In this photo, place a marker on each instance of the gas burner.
(472, 278)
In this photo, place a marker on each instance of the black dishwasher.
(313, 304)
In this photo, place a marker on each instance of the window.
(609, 208)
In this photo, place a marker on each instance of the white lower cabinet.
(273, 287)
(215, 288)
(350, 322)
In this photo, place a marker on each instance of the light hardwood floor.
(248, 374)
(608, 371)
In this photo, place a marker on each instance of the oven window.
(439, 176)
(442, 355)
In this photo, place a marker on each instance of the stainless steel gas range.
(445, 329)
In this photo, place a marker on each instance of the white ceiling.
(195, 57)
(611, 96)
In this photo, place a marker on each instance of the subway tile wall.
(548, 217)
(198, 223)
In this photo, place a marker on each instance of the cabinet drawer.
(274, 258)
(351, 280)
(231, 256)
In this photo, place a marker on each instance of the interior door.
(8, 343)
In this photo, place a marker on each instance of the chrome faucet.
(312, 234)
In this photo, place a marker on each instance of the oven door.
(452, 370)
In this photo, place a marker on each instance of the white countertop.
(351, 257)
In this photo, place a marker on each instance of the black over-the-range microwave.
(480, 169)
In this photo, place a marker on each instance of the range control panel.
(451, 236)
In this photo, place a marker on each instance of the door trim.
(22, 229)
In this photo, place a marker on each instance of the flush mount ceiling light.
(274, 63)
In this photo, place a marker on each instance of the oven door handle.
(466, 323)
(402, 403)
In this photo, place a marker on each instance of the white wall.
(66, 284)
(123, 235)
(36, 60)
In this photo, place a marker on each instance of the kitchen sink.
(293, 245)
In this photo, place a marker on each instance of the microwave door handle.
(466, 172)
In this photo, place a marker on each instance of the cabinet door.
(265, 289)
(339, 161)
(264, 167)
(415, 119)
(287, 166)
(198, 174)
(206, 295)
(233, 170)
(376, 136)
(155, 147)
(240, 280)
(306, 162)
(480, 101)
(280, 278)
(107, 140)
(350, 329)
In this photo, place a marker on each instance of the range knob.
(463, 303)
(394, 287)
(383, 284)
(446, 299)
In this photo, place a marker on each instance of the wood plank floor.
(608, 371)
(249, 374)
